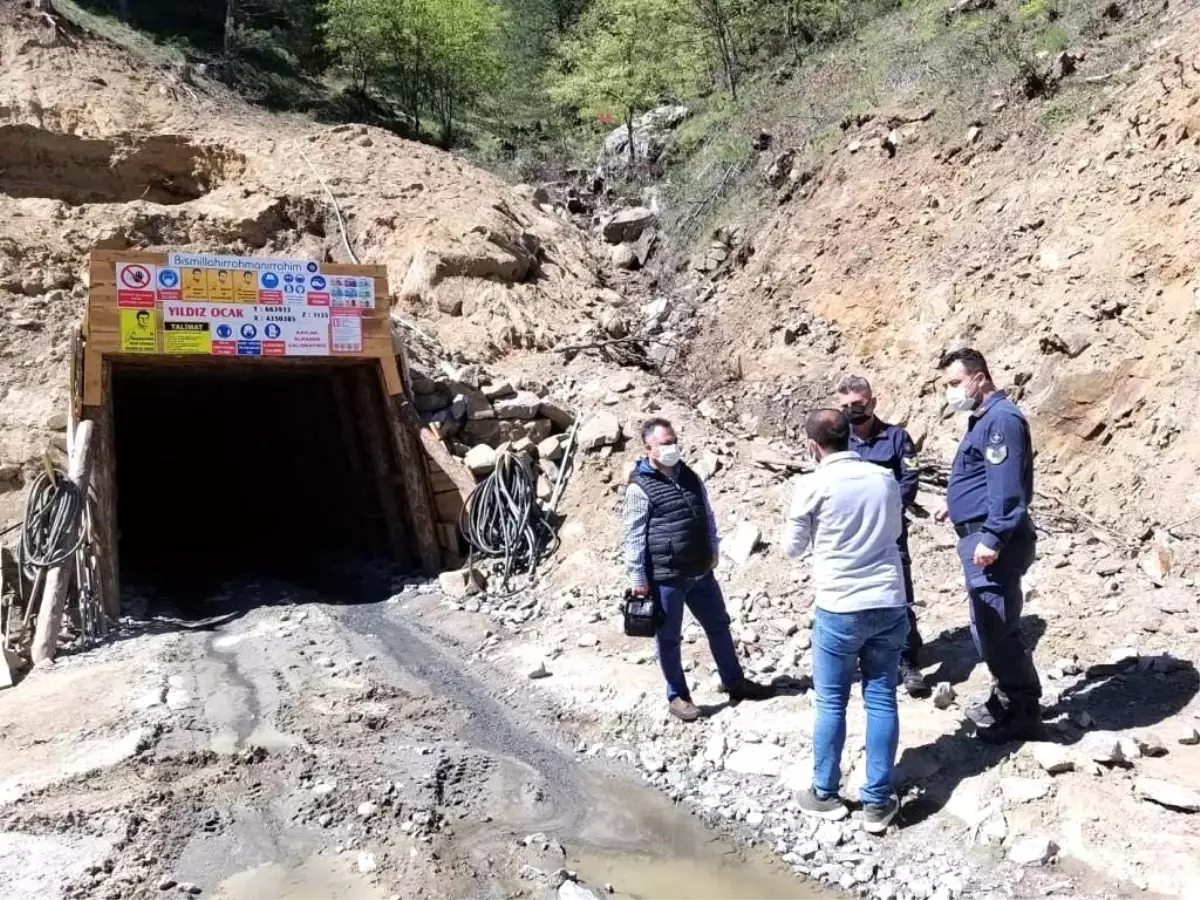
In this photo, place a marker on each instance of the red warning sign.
(135, 285)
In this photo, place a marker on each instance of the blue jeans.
(703, 597)
(873, 638)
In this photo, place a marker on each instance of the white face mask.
(669, 455)
(959, 400)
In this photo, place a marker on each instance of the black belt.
(969, 528)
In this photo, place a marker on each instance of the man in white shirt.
(849, 513)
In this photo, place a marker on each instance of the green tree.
(463, 57)
(438, 56)
(356, 37)
(626, 56)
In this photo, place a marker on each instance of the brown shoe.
(684, 710)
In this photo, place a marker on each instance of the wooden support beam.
(407, 448)
(372, 430)
(54, 600)
(104, 487)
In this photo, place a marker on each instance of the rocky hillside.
(102, 150)
(1071, 260)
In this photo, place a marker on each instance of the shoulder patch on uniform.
(997, 437)
(996, 453)
(910, 461)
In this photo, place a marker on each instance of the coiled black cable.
(501, 518)
(52, 530)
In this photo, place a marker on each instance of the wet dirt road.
(288, 747)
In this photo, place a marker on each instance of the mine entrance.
(234, 470)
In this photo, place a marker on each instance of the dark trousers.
(996, 602)
(703, 597)
(913, 643)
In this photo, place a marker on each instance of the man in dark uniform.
(987, 500)
(891, 447)
(670, 546)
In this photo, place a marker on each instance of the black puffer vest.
(677, 538)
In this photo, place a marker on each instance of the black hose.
(501, 518)
(53, 523)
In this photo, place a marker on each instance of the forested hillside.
(493, 74)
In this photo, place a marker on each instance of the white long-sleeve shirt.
(849, 513)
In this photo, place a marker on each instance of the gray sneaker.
(830, 808)
(877, 818)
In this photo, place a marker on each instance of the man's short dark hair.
(829, 429)
(652, 425)
(972, 360)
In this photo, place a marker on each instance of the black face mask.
(858, 415)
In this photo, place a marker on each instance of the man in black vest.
(671, 548)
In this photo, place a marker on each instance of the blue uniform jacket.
(991, 481)
(891, 447)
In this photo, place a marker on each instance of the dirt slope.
(1071, 260)
(102, 150)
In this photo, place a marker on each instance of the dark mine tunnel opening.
(239, 472)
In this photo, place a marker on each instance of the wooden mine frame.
(431, 488)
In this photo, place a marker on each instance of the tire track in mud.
(490, 726)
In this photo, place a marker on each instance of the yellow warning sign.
(137, 331)
(220, 285)
(187, 337)
(245, 287)
(195, 284)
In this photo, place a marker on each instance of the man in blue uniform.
(670, 546)
(987, 500)
(891, 447)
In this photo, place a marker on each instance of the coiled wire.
(52, 529)
(501, 518)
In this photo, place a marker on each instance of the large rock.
(1054, 759)
(624, 257)
(570, 890)
(755, 759)
(1104, 747)
(481, 459)
(1024, 790)
(462, 583)
(557, 413)
(433, 401)
(481, 431)
(1164, 793)
(1033, 851)
(600, 430)
(650, 133)
(740, 546)
(521, 405)
(627, 225)
(535, 430)
(551, 448)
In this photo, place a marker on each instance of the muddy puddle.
(723, 875)
(317, 878)
(649, 848)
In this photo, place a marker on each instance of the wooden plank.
(372, 430)
(448, 535)
(448, 505)
(438, 480)
(104, 481)
(407, 448)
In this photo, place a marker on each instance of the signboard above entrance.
(237, 279)
(195, 305)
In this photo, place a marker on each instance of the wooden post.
(413, 478)
(377, 452)
(54, 600)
